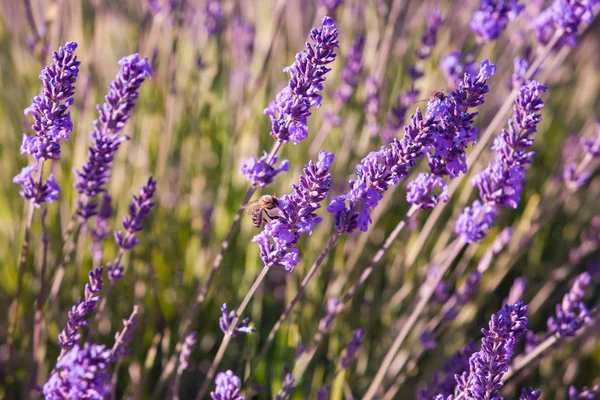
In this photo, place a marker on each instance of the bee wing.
(250, 206)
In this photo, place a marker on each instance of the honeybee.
(436, 94)
(262, 208)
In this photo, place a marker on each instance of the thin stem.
(229, 334)
(203, 291)
(492, 128)
(68, 249)
(288, 309)
(410, 322)
(522, 362)
(37, 320)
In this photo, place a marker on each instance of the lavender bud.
(34, 189)
(429, 38)
(213, 17)
(564, 16)
(372, 105)
(351, 71)
(455, 70)
(530, 394)
(584, 394)
(352, 348)
(226, 320)
(259, 172)
(492, 17)
(186, 351)
(227, 387)
(139, 208)
(287, 387)
(572, 313)
(419, 191)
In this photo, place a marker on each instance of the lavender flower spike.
(530, 394)
(351, 71)
(492, 17)
(34, 189)
(112, 117)
(80, 374)
(434, 21)
(186, 351)
(259, 172)
(297, 214)
(226, 320)
(291, 107)
(51, 120)
(488, 365)
(227, 387)
(571, 313)
(565, 16)
(501, 183)
(352, 348)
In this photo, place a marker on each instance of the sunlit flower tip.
(80, 374)
(291, 107)
(419, 191)
(530, 394)
(259, 173)
(226, 320)
(228, 387)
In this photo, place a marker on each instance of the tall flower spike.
(501, 183)
(227, 387)
(429, 38)
(228, 317)
(440, 128)
(571, 313)
(352, 348)
(291, 107)
(351, 71)
(488, 365)
(112, 117)
(139, 208)
(49, 110)
(80, 374)
(186, 351)
(78, 316)
(297, 214)
(490, 20)
(565, 16)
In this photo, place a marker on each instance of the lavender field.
(300, 199)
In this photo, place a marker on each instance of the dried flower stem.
(457, 247)
(228, 335)
(494, 126)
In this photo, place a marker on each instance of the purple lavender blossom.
(492, 17)
(227, 387)
(34, 189)
(488, 365)
(419, 191)
(372, 105)
(457, 364)
(572, 313)
(351, 71)
(112, 117)
(454, 69)
(323, 393)
(297, 214)
(352, 348)
(584, 394)
(521, 66)
(77, 317)
(287, 387)
(332, 305)
(259, 172)
(226, 320)
(501, 183)
(291, 107)
(330, 5)
(428, 340)
(186, 351)
(434, 21)
(530, 394)
(241, 41)
(139, 208)
(51, 120)
(80, 374)
(213, 17)
(564, 16)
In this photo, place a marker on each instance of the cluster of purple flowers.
(443, 134)
(287, 387)
(186, 351)
(112, 117)
(530, 394)
(80, 374)
(429, 38)
(226, 320)
(227, 387)
(297, 214)
(454, 69)
(490, 20)
(501, 183)
(261, 173)
(212, 14)
(419, 190)
(571, 313)
(490, 363)
(291, 107)
(564, 16)
(51, 124)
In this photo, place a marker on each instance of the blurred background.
(201, 115)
